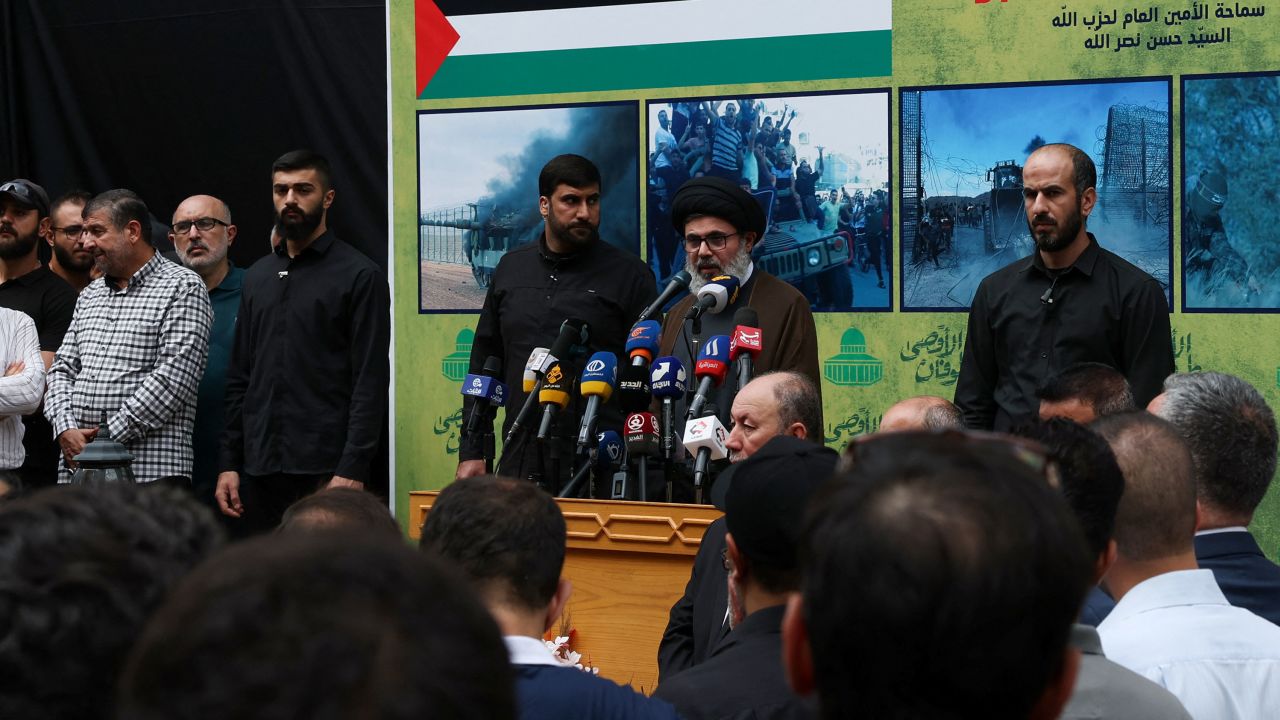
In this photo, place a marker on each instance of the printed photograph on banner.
(817, 164)
(1230, 258)
(478, 188)
(963, 149)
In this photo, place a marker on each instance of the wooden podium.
(629, 562)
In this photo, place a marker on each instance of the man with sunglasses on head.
(31, 288)
(202, 233)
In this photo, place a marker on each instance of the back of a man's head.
(1231, 432)
(325, 626)
(506, 535)
(1157, 514)
(941, 577)
(340, 510)
(798, 402)
(923, 412)
(1088, 474)
(82, 568)
(1085, 391)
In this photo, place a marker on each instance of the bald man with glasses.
(202, 234)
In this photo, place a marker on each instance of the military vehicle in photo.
(1004, 220)
(797, 252)
(488, 232)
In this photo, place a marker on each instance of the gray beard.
(736, 267)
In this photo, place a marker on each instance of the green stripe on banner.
(716, 62)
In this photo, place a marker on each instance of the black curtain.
(172, 98)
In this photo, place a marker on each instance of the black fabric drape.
(171, 98)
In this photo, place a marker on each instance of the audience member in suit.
(773, 404)
(508, 538)
(1085, 392)
(764, 505)
(319, 625)
(884, 627)
(83, 567)
(1171, 623)
(1092, 483)
(1232, 436)
(923, 412)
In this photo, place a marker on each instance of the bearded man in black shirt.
(569, 272)
(1071, 301)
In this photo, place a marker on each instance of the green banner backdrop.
(928, 107)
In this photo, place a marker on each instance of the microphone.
(712, 366)
(642, 344)
(633, 389)
(554, 397)
(745, 346)
(1047, 297)
(532, 383)
(598, 379)
(572, 331)
(642, 443)
(606, 455)
(489, 393)
(718, 294)
(704, 439)
(676, 285)
(668, 384)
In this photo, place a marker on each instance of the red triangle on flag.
(434, 37)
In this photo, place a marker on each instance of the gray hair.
(1231, 432)
(798, 401)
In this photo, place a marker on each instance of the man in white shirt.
(1171, 623)
(22, 385)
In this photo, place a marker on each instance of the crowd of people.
(1092, 563)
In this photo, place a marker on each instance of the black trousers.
(266, 497)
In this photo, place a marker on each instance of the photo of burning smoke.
(819, 166)
(478, 188)
(1230, 260)
(963, 149)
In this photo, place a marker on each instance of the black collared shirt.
(532, 293)
(1102, 309)
(308, 377)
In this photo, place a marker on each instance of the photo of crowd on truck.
(962, 215)
(817, 164)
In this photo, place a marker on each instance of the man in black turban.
(720, 224)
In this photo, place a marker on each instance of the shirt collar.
(554, 257)
(148, 269)
(1167, 590)
(1085, 263)
(524, 650)
(320, 245)
(1216, 531)
(231, 282)
(1086, 638)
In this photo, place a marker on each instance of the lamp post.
(103, 460)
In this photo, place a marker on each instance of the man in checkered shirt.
(135, 350)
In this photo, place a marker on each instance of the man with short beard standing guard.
(307, 381)
(1071, 301)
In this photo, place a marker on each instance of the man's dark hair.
(1231, 432)
(506, 535)
(943, 416)
(305, 160)
(1089, 475)
(122, 207)
(1157, 514)
(340, 509)
(798, 401)
(1099, 386)
(319, 626)
(942, 575)
(75, 197)
(82, 567)
(568, 169)
(1084, 174)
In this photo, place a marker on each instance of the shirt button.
(1044, 355)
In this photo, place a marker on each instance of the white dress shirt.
(1177, 629)
(21, 392)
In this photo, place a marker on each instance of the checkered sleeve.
(20, 393)
(62, 379)
(183, 351)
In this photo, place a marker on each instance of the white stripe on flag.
(662, 23)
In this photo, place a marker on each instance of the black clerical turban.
(720, 198)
